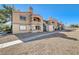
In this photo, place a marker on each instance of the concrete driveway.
(28, 35)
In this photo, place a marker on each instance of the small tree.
(6, 12)
(6, 28)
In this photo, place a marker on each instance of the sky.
(65, 13)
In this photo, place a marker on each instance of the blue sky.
(65, 13)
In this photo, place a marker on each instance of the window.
(22, 17)
(22, 27)
(37, 27)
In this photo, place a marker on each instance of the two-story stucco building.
(23, 22)
(26, 22)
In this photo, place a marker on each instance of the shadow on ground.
(61, 35)
(70, 30)
(4, 35)
(56, 35)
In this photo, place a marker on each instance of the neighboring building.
(52, 25)
(26, 22)
(60, 26)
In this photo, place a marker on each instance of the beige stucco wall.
(17, 22)
(15, 28)
(38, 23)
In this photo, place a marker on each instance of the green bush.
(74, 25)
(5, 28)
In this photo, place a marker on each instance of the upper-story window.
(22, 17)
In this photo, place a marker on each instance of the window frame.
(22, 27)
(22, 17)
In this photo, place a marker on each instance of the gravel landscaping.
(7, 38)
(64, 43)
